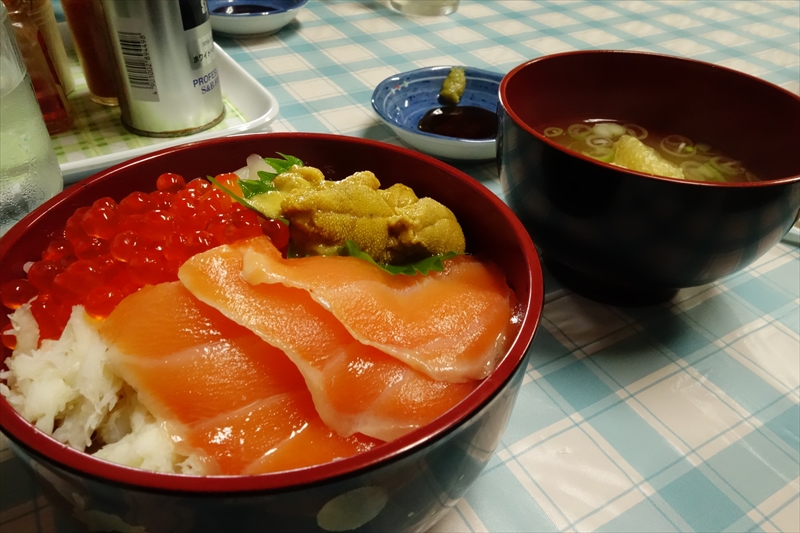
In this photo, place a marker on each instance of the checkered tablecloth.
(679, 417)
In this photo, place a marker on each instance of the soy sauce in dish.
(242, 9)
(464, 122)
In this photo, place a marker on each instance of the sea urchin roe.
(391, 225)
(111, 249)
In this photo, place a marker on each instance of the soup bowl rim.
(507, 109)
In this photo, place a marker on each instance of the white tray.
(256, 107)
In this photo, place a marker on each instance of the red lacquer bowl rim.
(40, 444)
(504, 101)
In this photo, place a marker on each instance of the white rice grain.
(68, 389)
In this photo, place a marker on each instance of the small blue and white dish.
(252, 17)
(402, 100)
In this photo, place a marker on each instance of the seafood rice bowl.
(328, 340)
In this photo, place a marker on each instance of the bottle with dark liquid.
(87, 24)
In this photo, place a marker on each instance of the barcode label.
(138, 66)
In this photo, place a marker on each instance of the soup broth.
(670, 155)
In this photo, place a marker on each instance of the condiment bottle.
(45, 18)
(41, 13)
(167, 76)
(29, 170)
(87, 24)
(41, 63)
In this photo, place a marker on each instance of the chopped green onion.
(579, 131)
(552, 131)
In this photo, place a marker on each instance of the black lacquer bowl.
(406, 484)
(625, 237)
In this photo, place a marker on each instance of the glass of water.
(29, 171)
(425, 7)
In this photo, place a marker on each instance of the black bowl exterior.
(408, 494)
(631, 231)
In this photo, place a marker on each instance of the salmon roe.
(111, 249)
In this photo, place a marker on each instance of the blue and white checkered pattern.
(678, 417)
(681, 417)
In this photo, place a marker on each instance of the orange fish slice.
(356, 388)
(452, 325)
(221, 389)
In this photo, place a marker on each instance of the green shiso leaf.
(282, 165)
(266, 176)
(252, 188)
(434, 263)
(241, 200)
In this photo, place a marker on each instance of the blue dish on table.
(403, 99)
(252, 17)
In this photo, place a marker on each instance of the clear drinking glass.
(425, 7)
(29, 171)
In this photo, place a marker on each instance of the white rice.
(68, 389)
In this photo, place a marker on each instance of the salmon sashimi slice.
(279, 433)
(453, 325)
(356, 388)
(222, 391)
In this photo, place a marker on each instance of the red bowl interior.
(745, 117)
(490, 228)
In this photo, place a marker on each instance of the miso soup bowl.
(403, 485)
(625, 237)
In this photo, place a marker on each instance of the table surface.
(678, 417)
